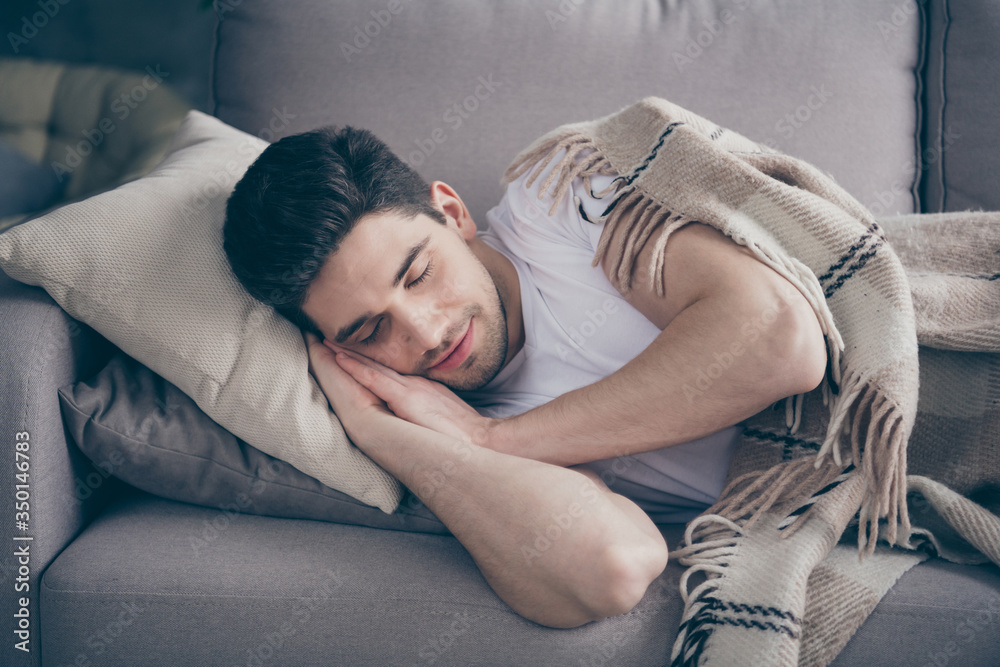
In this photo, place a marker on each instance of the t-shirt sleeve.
(565, 225)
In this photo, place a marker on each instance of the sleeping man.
(549, 420)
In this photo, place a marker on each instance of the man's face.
(410, 294)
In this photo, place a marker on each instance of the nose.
(423, 326)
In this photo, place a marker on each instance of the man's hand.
(358, 409)
(416, 399)
(606, 551)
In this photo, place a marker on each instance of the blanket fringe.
(563, 172)
(711, 541)
(877, 436)
(881, 459)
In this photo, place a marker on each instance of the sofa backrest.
(457, 87)
(961, 142)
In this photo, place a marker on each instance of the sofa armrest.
(41, 349)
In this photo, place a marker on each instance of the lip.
(457, 354)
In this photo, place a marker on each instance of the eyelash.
(374, 334)
(424, 275)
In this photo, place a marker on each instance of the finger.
(317, 352)
(382, 384)
(336, 383)
(333, 346)
(371, 363)
(374, 365)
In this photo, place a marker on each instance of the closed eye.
(373, 336)
(423, 276)
(416, 281)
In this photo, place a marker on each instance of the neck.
(509, 287)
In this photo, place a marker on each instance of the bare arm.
(554, 543)
(736, 337)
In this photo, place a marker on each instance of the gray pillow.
(139, 427)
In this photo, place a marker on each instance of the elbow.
(800, 350)
(627, 571)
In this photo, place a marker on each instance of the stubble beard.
(492, 355)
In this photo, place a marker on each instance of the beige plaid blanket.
(910, 308)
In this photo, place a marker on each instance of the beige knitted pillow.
(143, 265)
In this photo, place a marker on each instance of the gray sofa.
(897, 100)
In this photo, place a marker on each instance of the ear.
(446, 200)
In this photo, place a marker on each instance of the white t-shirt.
(578, 329)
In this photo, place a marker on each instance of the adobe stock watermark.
(900, 16)
(564, 10)
(121, 107)
(363, 35)
(967, 630)
(268, 647)
(85, 487)
(220, 183)
(798, 117)
(710, 31)
(100, 641)
(588, 327)
(212, 529)
(37, 21)
(560, 523)
(440, 643)
(803, 113)
(455, 117)
(437, 478)
(723, 360)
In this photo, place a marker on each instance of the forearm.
(716, 364)
(559, 548)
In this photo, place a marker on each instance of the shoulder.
(544, 215)
(699, 261)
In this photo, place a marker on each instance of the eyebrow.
(349, 330)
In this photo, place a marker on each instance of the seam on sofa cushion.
(919, 73)
(946, 8)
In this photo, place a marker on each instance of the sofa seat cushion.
(153, 577)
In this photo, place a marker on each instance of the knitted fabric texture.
(835, 458)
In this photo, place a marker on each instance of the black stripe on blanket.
(788, 441)
(862, 260)
(869, 242)
(816, 496)
(697, 630)
(716, 604)
(750, 623)
(851, 252)
(970, 276)
(652, 155)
